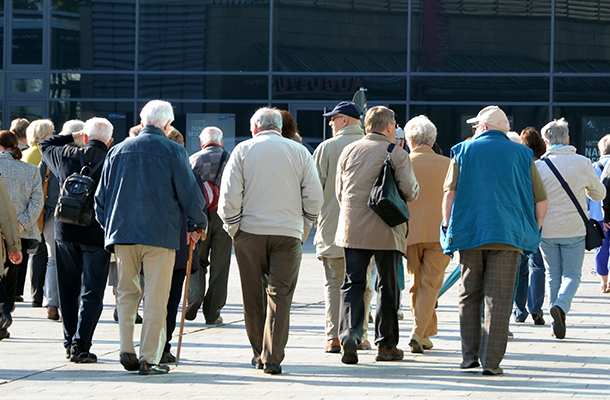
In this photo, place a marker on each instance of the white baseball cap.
(493, 116)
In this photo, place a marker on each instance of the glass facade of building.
(217, 61)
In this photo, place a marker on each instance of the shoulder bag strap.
(566, 187)
(223, 158)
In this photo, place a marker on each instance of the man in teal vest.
(493, 208)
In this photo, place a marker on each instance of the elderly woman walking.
(563, 231)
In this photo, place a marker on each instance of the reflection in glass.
(191, 36)
(73, 85)
(587, 125)
(485, 89)
(26, 85)
(27, 32)
(91, 35)
(119, 114)
(480, 36)
(28, 112)
(582, 89)
(582, 38)
(353, 36)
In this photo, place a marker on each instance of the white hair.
(39, 130)
(266, 119)
(71, 126)
(556, 132)
(604, 145)
(514, 136)
(421, 131)
(211, 134)
(157, 113)
(98, 129)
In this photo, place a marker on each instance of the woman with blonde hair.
(36, 132)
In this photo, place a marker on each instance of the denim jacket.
(145, 187)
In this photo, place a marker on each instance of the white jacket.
(562, 220)
(270, 186)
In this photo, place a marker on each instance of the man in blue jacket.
(145, 187)
(493, 208)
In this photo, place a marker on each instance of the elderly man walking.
(493, 208)
(269, 191)
(82, 261)
(426, 262)
(146, 186)
(363, 234)
(345, 123)
(215, 250)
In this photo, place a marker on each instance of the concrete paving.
(215, 360)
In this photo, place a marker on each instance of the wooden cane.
(189, 264)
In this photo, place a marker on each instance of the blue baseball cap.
(346, 108)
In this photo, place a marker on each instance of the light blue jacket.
(494, 199)
(145, 186)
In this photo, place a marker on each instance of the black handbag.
(385, 199)
(595, 233)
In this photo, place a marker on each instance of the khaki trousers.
(280, 258)
(158, 264)
(426, 265)
(334, 270)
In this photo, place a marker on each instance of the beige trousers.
(334, 270)
(158, 265)
(426, 266)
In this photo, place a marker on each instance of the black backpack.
(75, 203)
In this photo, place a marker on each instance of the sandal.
(606, 289)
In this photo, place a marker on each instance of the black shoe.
(272, 369)
(493, 371)
(36, 304)
(467, 364)
(152, 369)
(349, 350)
(130, 361)
(191, 311)
(138, 319)
(538, 319)
(18, 299)
(168, 358)
(371, 320)
(559, 322)
(5, 321)
(4, 334)
(115, 314)
(82, 357)
(257, 363)
(217, 321)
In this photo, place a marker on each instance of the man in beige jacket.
(363, 234)
(426, 262)
(345, 123)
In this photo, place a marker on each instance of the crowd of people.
(77, 208)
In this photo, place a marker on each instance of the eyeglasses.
(474, 128)
(334, 118)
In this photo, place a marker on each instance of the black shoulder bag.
(385, 199)
(595, 233)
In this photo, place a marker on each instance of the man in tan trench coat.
(363, 234)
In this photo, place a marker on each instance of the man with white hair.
(426, 262)
(563, 233)
(145, 188)
(82, 261)
(215, 250)
(269, 192)
(493, 208)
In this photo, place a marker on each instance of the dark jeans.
(10, 282)
(91, 263)
(530, 286)
(38, 265)
(173, 302)
(352, 312)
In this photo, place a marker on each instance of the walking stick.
(189, 264)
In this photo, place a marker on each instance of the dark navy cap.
(346, 108)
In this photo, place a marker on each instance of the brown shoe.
(53, 313)
(366, 345)
(385, 353)
(332, 346)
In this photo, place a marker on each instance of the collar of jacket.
(6, 154)
(350, 130)
(377, 136)
(152, 130)
(563, 150)
(493, 134)
(422, 149)
(269, 132)
(96, 143)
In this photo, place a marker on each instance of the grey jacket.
(25, 189)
